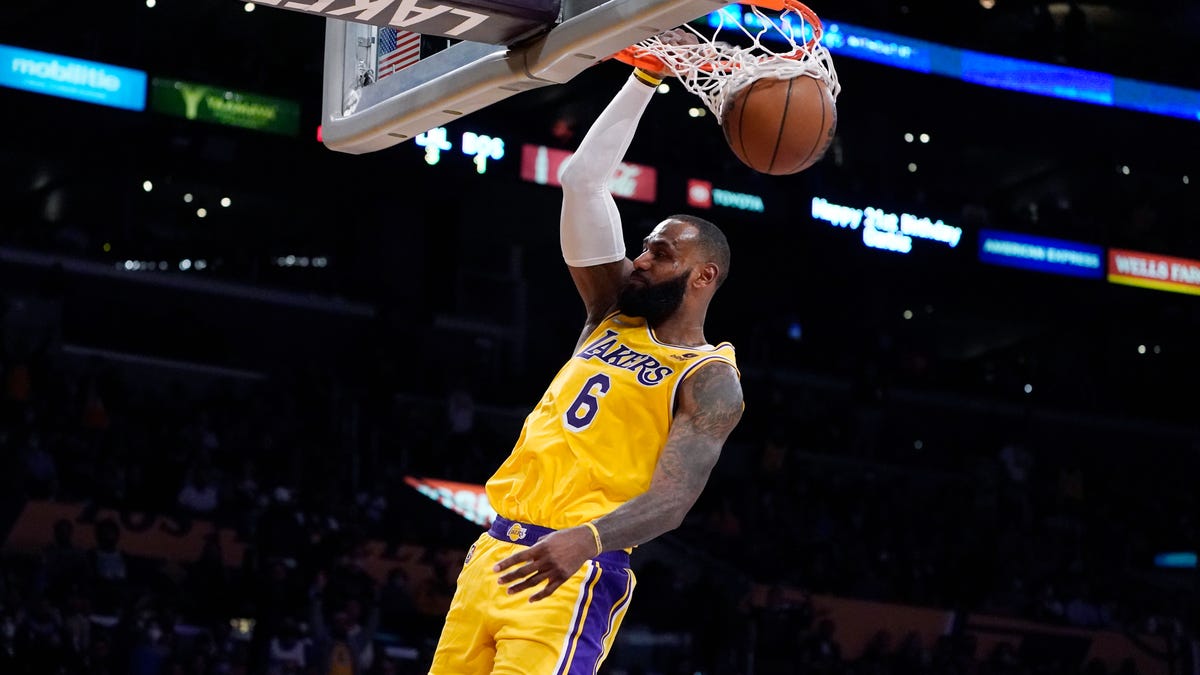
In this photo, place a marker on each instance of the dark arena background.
(244, 376)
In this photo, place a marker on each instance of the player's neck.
(681, 330)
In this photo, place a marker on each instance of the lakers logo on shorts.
(516, 532)
(470, 553)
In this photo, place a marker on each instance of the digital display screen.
(72, 78)
(1043, 254)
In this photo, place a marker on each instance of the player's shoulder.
(715, 388)
(712, 368)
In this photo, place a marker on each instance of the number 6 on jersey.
(583, 410)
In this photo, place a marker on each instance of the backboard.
(377, 93)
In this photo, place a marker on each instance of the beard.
(654, 303)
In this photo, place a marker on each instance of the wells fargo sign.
(1151, 270)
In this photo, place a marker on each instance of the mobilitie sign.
(69, 77)
(1042, 254)
(207, 103)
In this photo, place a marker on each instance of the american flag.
(398, 49)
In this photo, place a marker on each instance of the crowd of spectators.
(989, 519)
(822, 490)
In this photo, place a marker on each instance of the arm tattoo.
(718, 396)
(711, 405)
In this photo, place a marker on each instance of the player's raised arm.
(593, 244)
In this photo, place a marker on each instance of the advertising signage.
(1150, 270)
(884, 230)
(72, 78)
(1043, 254)
(466, 499)
(542, 165)
(223, 106)
(702, 195)
(989, 70)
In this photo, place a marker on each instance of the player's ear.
(707, 274)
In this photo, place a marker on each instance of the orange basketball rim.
(638, 57)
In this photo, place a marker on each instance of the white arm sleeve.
(591, 225)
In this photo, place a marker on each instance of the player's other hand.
(673, 37)
(552, 560)
(677, 36)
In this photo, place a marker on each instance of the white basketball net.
(714, 69)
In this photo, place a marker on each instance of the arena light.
(226, 202)
(148, 186)
(187, 198)
(249, 6)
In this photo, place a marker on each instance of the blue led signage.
(1001, 72)
(69, 77)
(884, 230)
(1043, 254)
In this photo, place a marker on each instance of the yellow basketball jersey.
(592, 442)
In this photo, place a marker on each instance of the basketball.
(780, 127)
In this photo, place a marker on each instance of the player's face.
(654, 302)
(659, 282)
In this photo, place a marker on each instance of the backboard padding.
(469, 76)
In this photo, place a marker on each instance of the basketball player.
(619, 447)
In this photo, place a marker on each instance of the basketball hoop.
(714, 69)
